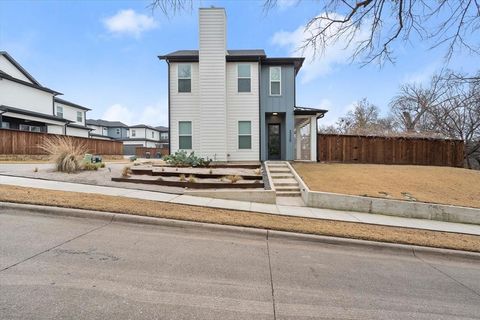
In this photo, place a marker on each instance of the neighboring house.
(132, 137)
(28, 106)
(111, 130)
(164, 141)
(236, 105)
(143, 136)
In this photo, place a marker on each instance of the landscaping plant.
(182, 159)
(66, 152)
(192, 179)
(127, 171)
(233, 178)
(182, 178)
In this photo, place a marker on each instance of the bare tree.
(458, 115)
(410, 107)
(381, 23)
(364, 119)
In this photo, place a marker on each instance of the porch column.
(313, 138)
(298, 144)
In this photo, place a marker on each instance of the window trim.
(183, 78)
(249, 78)
(279, 81)
(81, 116)
(133, 133)
(244, 135)
(185, 135)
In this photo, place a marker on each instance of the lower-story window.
(244, 135)
(185, 135)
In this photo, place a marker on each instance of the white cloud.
(320, 63)
(285, 4)
(128, 22)
(423, 75)
(331, 117)
(150, 115)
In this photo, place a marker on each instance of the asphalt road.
(74, 268)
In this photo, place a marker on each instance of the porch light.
(275, 113)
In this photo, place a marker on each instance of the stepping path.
(278, 209)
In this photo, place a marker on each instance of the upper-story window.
(164, 136)
(244, 78)
(60, 111)
(153, 134)
(184, 77)
(134, 133)
(79, 116)
(275, 81)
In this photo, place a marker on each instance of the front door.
(274, 145)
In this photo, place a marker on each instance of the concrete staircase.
(283, 180)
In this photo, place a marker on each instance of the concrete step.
(279, 165)
(282, 176)
(279, 170)
(287, 188)
(288, 194)
(288, 181)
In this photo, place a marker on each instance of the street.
(54, 267)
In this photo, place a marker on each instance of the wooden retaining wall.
(390, 150)
(13, 142)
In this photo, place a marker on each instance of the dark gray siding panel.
(283, 104)
(113, 133)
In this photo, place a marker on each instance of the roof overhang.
(3, 75)
(303, 111)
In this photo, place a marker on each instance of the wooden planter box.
(150, 172)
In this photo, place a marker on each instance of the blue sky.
(102, 54)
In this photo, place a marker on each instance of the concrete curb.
(128, 218)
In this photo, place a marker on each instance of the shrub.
(102, 164)
(233, 178)
(258, 171)
(192, 179)
(127, 171)
(182, 178)
(210, 171)
(89, 166)
(182, 159)
(133, 158)
(65, 152)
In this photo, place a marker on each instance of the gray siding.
(112, 133)
(283, 104)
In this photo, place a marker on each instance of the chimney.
(212, 83)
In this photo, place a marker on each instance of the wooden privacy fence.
(389, 150)
(144, 152)
(14, 142)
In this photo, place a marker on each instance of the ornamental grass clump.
(66, 152)
(233, 178)
(127, 171)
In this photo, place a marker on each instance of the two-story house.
(236, 105)
(164, 140)
(27, 105)
(108, 130)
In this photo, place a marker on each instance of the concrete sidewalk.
(246, 206)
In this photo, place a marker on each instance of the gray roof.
(105, 123)
(161, 128)
(144, 126)
(4, 75)
(71, 104)
(231, 54)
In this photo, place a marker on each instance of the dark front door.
(274, 145)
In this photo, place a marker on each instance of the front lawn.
(442, 185)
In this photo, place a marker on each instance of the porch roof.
(309, 111)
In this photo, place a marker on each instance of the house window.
(244, 78)
(118, 131)
(164, 136)
(153, 134)
(275, 81)
(185, 135)
(133, 133)
(184, 78)
(244, 135)
(79, 116)
(60, 111)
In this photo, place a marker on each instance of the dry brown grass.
(444, 185)
(65, 152)
(239, 218)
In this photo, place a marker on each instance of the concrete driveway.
(55, 267)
